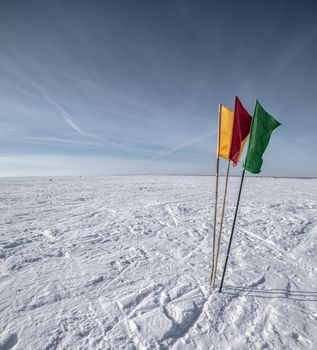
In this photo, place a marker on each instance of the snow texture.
(124, 263)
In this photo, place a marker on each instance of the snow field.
(124, 263)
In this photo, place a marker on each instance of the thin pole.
(215, 222)
(221, 224)
(232, 230)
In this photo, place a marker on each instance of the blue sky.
(132, 87)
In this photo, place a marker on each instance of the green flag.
(262, 127)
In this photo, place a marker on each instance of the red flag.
(240, 130)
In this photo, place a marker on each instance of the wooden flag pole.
(215, 222)
(232, 230)
(216, 197)
(221, 224)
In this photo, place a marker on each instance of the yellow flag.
(225, 124)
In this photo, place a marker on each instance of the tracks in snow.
(123, 263)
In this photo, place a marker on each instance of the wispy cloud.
(40, 139)
(65, 114)
(69, 118)
(184, 145)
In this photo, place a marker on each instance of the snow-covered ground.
(124, 263)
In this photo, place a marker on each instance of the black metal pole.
(232, 230)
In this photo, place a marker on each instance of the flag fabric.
(225, 121)
(240, 131)
(262, 127)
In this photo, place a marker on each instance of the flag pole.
(221, 224)
(232, 230)
(215, 223)
(216, 199)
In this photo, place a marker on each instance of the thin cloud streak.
(66, 116)
(184, 145)
(61, 140)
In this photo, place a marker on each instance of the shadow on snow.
(271, 293)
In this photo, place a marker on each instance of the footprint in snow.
(8, 341)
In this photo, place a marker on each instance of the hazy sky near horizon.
(132, 87)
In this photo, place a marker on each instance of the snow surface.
(124, 263)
